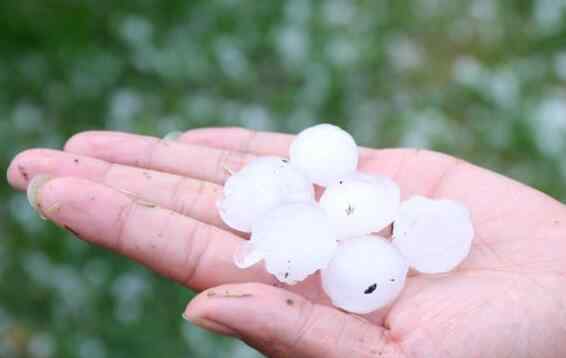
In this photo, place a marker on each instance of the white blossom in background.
(504, 87)
(548, 15)
(27, 117)
(129, 291)
(42, 345)
(404, 53)
(426, 127)
(293, 44)
(232, 59)
(549, 124)
(468, 71)
(298, 11)
(484, 10)
(256, 117)
(125, 105)
(92, 347)
(560, 65)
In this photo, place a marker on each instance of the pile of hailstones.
(274, 199)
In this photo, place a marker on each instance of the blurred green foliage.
(482, 79)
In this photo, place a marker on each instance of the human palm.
(154, 201)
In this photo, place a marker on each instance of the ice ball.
(434, 235)
(367, 273)
(262, 185)
(324, 153)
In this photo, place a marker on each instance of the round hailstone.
(262, 185)
(361, 204)
(366, 274)
(434, 235)
(325, 153)
(294, 240)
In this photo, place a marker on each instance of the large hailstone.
(360, 204)
(262, 185)
(435, 236)
(294, 240)
(366, 274)
(325, 153)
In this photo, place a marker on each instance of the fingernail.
(211, 326)
(33, 191)
(173, 136)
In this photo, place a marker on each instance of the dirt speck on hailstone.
(350, 210)
(371, 289)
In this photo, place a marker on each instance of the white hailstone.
(360, 204)
(435, 236)
(247, 255)
(262, 185)
(294, 240)
(325, 153)
(367, 273)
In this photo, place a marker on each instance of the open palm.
(154, 201)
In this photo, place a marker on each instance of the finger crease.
(150, 152)
(106, 174)
(341, 334)
(451, 169)
(198, 194)
(247, 145)
(193, 261)
(306, 316)
(178, 202)
(123, 218)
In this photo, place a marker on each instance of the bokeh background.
(484, 80)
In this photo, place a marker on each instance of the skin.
(154, 201)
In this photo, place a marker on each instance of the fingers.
(418, 172)
(187, 196)
(190, 252)
(282, 324)
(240, 140)
(198, 162)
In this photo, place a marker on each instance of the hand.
(154, 201)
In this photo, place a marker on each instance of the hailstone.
(360, 204)
(366, 274)
(262, 185)
(325, 153)
(435, 236)
(294, 240)
(247, 255)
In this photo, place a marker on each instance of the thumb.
(281, 324)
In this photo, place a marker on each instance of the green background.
(483, 80)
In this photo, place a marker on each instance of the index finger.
(240, 140)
